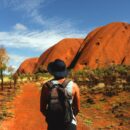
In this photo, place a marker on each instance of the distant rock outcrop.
(106, 45)
(102, 47)
(65, 50)
(28, 66)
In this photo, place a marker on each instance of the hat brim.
(57, 73)
(60, 74)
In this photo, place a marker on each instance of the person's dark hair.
(57, 78)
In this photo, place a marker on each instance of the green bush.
(108, 75)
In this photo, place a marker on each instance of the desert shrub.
(88, 122)
(4, 113)
(78, 76)
(42, 76)
(47, 75)
(122, 70)
(100, 72)
(108, 75)
(21, 75)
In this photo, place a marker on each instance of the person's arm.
(43, 100)
(76, 100)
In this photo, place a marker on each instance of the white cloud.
(29, 7)
(16, 60)
(22, 37)
(20, 27)
(36, 39)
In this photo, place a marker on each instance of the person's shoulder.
(45, 85)
(75, 86)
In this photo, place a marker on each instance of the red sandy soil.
(100, 112)
(27, 112)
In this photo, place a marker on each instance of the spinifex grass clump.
(39, 76)
(6, 98)
(5, 113)
(42, 76)
(114, 77)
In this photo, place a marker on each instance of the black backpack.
(59, 109)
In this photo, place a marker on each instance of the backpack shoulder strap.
(64, 84)
(50, 85)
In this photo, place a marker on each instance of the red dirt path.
(27, 112)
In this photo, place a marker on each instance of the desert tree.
(3, 64)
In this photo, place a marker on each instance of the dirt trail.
(27, 114)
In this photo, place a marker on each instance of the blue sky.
(29, 27)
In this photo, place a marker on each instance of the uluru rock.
(28, 66)
(102, 47)
(65, 50)
(106, 45)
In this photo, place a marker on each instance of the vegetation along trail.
(27, 113)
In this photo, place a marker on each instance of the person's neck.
(60, 80)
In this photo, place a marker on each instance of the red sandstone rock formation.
(28, 66)
(65, 50)
(106, 45)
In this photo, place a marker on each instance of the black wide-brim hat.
(57, 68)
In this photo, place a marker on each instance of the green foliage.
(108, 75)
(98, 106)
(3, 57)
(43, 74)
(22, 76)
(4, 113)
(88, 122)
(99, 72)
(122, 69)
(3, 62)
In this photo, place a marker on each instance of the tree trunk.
(10, 84)
(1, 75)
(15, 82)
